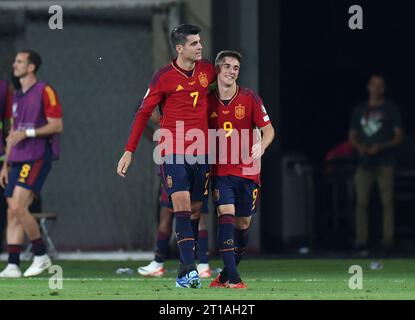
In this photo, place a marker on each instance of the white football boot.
(204, 270)
(40, 264)
(11, 271)
(153, 269)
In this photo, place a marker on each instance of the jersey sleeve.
(261, 118)
(51, 105)
(150, 101)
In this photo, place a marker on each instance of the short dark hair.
(227, 53)
(33, 57)
(179, 34)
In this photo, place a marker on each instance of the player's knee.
(181, 201)
(165, 228)
(195, 215)
(243, 224)
(15, 210)
(12, 219)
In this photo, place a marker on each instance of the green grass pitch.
(266, 279)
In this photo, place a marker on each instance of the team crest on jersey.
(239, 112)
(169, 181)
(203, 79)
(216, 195)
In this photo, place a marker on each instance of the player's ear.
(31, 67)
(179, 48)
(217, 69)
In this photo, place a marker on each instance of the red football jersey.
(51, 104)
(239, 119)
(182, 97)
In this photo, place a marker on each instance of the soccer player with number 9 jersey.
(236, 113)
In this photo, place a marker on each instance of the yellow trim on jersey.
(233, 98)
(179, 71)
(51, 96)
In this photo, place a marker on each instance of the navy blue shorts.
(205, 206)
(242, 193)
(164, 200)
(29, 175)
(178, 175)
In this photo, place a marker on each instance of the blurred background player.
(31, 146)
(6, 95)
(182, 88)
(235, 186)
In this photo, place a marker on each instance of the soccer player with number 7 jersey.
(181, 89)
(236, 113)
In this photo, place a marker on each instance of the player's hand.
(257, 150)
(15, 137)
(124, 163)
(4, 176)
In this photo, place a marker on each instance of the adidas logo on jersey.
(179, 87)
(213, 115)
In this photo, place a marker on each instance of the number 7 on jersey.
(195, 96)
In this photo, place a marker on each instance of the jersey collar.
(231, 100)
(181, 71)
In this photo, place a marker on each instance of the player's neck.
(375, 101)
(27, 82)
(225, 92)
(185, 64)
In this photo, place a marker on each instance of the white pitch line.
(205, 279)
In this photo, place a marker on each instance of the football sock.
(14, 251)
(241, 241)
(38, 247)
(162, 246)
(202, 246)
(185, 239)
(195, 230)
(226, 246)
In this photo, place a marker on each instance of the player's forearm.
(6, 156)
(268, 135)
(396, 141)
(51, 128)
(137, 129)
